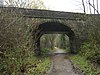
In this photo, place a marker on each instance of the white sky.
(66, 5)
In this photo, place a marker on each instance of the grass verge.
(39, 67)
(85, 65)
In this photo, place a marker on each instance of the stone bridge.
(49, 22)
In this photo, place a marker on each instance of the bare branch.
(94, 8)
(83, 6)
(97, 6)
(89, 7)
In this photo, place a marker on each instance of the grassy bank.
(85, 65)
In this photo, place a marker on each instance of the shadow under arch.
(53, 28)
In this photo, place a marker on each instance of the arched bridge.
(71, 24)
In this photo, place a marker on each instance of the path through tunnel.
(55, 28)
(53, 42)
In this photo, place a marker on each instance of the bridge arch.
(53, 28)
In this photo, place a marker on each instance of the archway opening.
(56, 28)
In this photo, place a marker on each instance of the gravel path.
(61, 66)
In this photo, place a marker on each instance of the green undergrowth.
(16, 63)
(85, 65)
(39, 67)
(88, 58)
(41, 64)
(45, 52)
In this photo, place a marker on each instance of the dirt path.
(61, 66)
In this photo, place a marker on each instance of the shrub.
(45, 52)
(91, 52)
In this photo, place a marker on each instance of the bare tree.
(89, 7)
(83, 6)
(94, 6)
(97, 6)
(37, 4)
